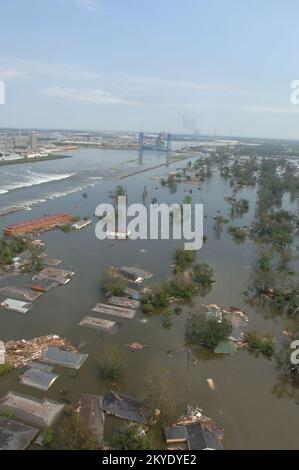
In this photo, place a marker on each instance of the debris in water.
(211, 384)
(21, 353)
(136, 346)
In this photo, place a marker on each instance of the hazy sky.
(176, 65)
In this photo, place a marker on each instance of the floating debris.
(136, 346)
(52, 261)
(287, 333)
(195, 415)
(211, 384)
(21, 353)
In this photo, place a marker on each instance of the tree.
(75, 434)
(187, 199)
(160, 392)
(113, 284)
(35, 257)
(183, 258)
(11, 247)
(118, 192)
(203, 275)
(206, 331)
(5, 368)
(263, 344)
(167, 316)
(130, 438)
(111, 364)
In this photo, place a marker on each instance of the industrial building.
(42, 223)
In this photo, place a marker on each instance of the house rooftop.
(16, 436)
(126, 407)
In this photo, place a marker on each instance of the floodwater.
(244, 401)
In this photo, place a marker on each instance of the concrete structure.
(37, 224)
(21, 143)
(33, 141)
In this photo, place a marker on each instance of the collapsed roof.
(126, 407)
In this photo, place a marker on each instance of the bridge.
(160, 142)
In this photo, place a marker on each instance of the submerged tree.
(162, 396)
(130, 438)
(112, 284)
(117, 192)
(260, 344)
(111, 363)
(183, 258)
(74, 434)
(203, 274)
(207, 331)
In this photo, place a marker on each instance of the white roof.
(17, 305)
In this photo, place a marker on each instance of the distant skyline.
(174, 65)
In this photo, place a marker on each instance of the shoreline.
(12, 210)
(34, 160)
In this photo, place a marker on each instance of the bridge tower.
(141, 140)
(168, 148)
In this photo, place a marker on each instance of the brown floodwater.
(244, 401)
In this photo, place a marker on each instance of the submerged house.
(16, 305)
(58, 357)
(194, 436)
(16, 436)
(126, 407)
(31, 411)
(90, 408)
